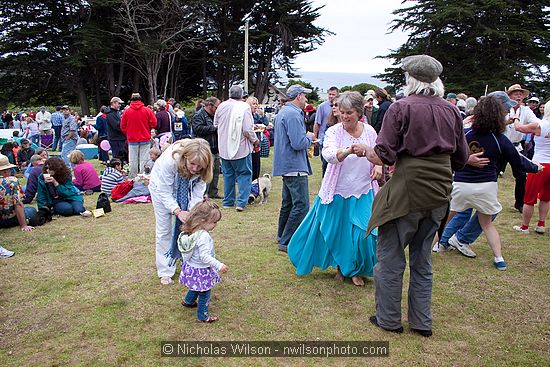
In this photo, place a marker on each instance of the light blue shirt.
(291, 142)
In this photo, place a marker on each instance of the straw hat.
(516, 87)
(5, 163)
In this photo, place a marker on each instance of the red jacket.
(137, 122)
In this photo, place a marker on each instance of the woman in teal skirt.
(333, 231)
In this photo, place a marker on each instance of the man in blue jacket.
(291, 162)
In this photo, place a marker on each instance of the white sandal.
(166, 281)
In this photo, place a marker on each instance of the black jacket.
(113, 125)
(203, 127)
(382, 108)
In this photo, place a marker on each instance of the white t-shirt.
(526, 116)
(542, 143)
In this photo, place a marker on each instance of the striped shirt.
(109, 179)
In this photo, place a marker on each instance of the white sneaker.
(540, 229)
(438, 247)
(464, 248)
(4, 254)
(519, 229)
(86, 213)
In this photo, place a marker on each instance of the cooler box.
(89, 150)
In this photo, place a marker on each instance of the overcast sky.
(360, 27)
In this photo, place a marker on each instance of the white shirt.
(526, 116)
(44, 120)
(542, 143)
(204, 255)
(162, 184)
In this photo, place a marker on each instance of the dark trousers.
(57, 138)
(255, 165)
(417, 231)
(520, 177)
(117, 146)
(212, 187)
(294, 207)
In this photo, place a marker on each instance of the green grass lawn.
(83, 291)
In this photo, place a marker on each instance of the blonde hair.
(204, 212)
(194, 150)
(76, 157)
(251, 100)
(155, 151)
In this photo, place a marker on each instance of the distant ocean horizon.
(325, 80)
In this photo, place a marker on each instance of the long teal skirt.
(334, 235)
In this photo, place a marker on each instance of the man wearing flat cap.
(290, 161)
(423, 136)
(524, 115)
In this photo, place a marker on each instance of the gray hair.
(351, 101)
(211, 101)
(236, 92)
(161, 103)
(415, 86)
(471, 102)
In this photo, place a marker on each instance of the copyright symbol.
(167, 349)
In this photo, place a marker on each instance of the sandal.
(184, 304)
(211, 318)
(166, 281)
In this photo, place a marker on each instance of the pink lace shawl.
(328, 186)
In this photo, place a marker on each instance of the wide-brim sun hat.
(516, 87)
(5, 163)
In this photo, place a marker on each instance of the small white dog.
(260, 189)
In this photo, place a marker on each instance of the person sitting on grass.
(12, 211)
(24, 154)
(85, 175)
(43, 153)
(7, 151)
(32, 181)
(112, 175)
(56, 190)
(154, 154)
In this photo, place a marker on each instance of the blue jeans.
(12, 222)
(68, 208)
(239, 170)
(203, 302)
(94, 189)
(466, 227)
(35, 139)
(68, 147)
(57, 138)
(294, 207)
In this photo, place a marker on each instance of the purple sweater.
(86, 176)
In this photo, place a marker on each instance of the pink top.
(86, 176)
(351, 177)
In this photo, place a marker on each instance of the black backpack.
(103, 203)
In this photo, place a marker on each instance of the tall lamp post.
(246, 55)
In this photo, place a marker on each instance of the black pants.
(520, 177)
(255, 165)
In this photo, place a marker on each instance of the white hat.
(535, 99)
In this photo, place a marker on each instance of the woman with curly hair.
(476, 187)
(56, 190)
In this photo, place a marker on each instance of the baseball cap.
(116, 99)
(451, 95)
(504, 98)
(294, 90)
(533, 99)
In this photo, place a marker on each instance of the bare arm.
(532, 128)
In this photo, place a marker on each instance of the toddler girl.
(200, 271)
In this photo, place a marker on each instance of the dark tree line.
(85, 51)
(479, 42)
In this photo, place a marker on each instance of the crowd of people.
(418, 170)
